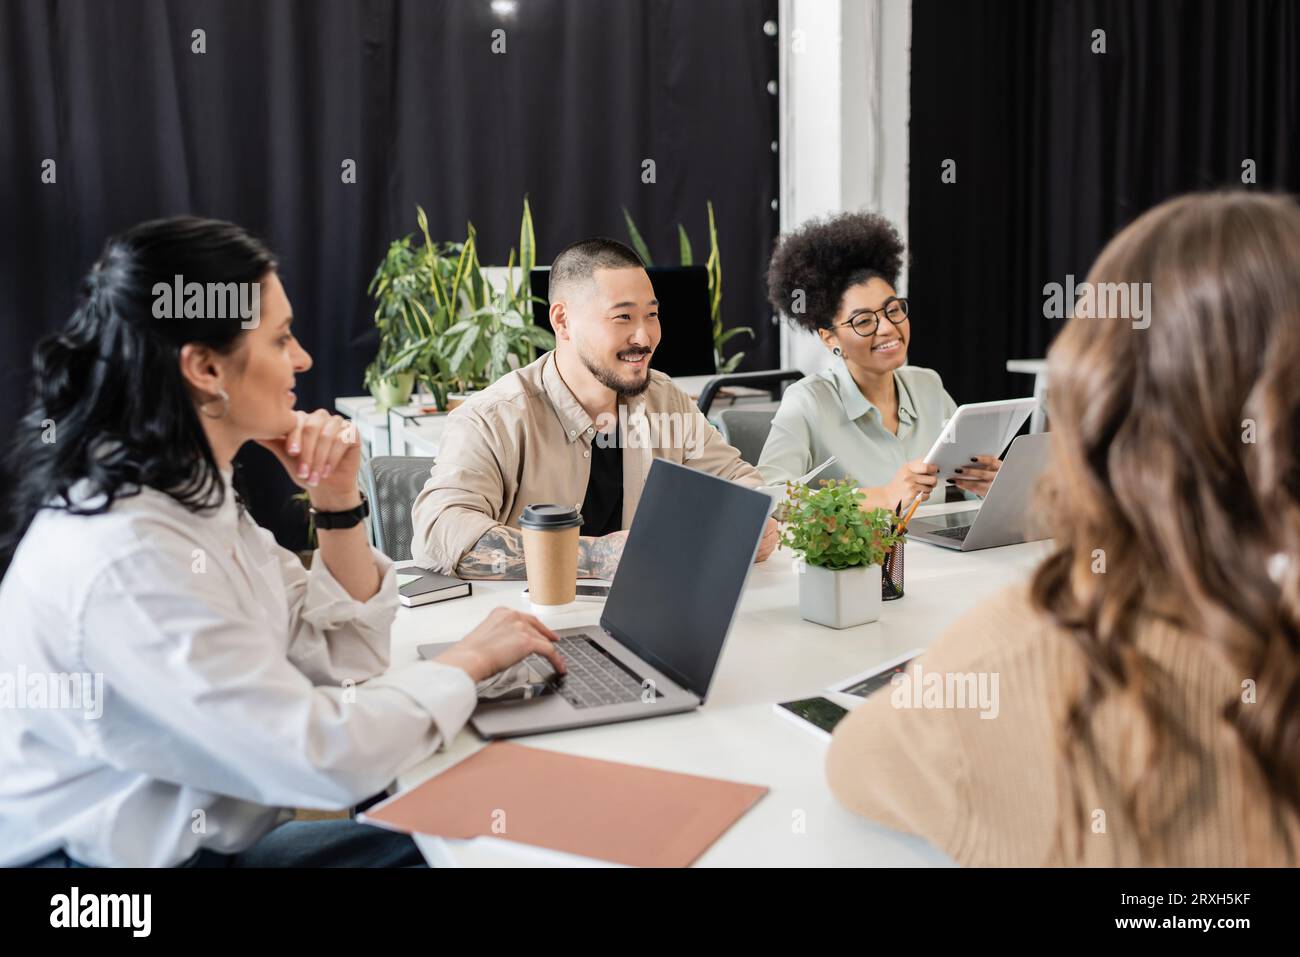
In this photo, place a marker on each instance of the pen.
(908, 517)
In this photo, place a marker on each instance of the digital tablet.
(866, 683)
(981, 428)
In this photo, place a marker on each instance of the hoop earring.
(225, 405)
(837, 351)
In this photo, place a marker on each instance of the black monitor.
(686, 331)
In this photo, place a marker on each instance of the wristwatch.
(331, 521)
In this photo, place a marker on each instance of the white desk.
(415, 434)
(371, 422)
(401, 431)
(771, 655)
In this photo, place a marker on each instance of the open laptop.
(1000, 520)
(684, 566)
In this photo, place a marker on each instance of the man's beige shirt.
(525, 440)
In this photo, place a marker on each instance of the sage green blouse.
(826, 414)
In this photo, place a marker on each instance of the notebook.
(600, 809)
(419, 586)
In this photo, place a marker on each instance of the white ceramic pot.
(839, 599)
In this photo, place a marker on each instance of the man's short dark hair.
(824, 257)
(577, 263)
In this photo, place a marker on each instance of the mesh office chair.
(747, 430)
(391, 483)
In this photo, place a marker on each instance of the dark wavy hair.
(110, 405)
(824, 257)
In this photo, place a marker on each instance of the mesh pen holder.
(891, 573)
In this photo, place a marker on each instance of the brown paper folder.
(601, 809)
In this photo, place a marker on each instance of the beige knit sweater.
(992, 790)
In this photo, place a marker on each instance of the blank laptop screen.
(683, 568)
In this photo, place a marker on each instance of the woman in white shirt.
(176, 680)
(837, 278)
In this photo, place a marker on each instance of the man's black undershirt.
(602, 508)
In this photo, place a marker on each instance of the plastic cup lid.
(550, 517)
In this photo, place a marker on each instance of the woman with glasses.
(877, 416)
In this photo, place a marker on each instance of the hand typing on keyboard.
(529, 678)
(594, 677)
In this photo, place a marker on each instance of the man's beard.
(611, 381)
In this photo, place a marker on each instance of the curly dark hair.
(823, 257)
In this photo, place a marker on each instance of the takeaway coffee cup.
(551, 552)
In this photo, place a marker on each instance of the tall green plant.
(713, 265)
(440, 318)
(410, 310)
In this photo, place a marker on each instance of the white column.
(845, 98)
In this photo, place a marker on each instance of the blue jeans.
(332, 843)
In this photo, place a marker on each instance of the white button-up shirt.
(172, 681)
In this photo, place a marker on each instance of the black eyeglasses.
(865, 321)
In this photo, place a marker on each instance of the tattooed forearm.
(499, 554)
(598, 557)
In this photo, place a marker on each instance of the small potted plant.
(841, 547)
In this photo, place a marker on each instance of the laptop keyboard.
(957, 532)
(595, 678)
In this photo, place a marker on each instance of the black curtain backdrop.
(1058, 147)
(255, 131)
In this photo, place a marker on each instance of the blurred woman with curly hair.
(838, 278)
